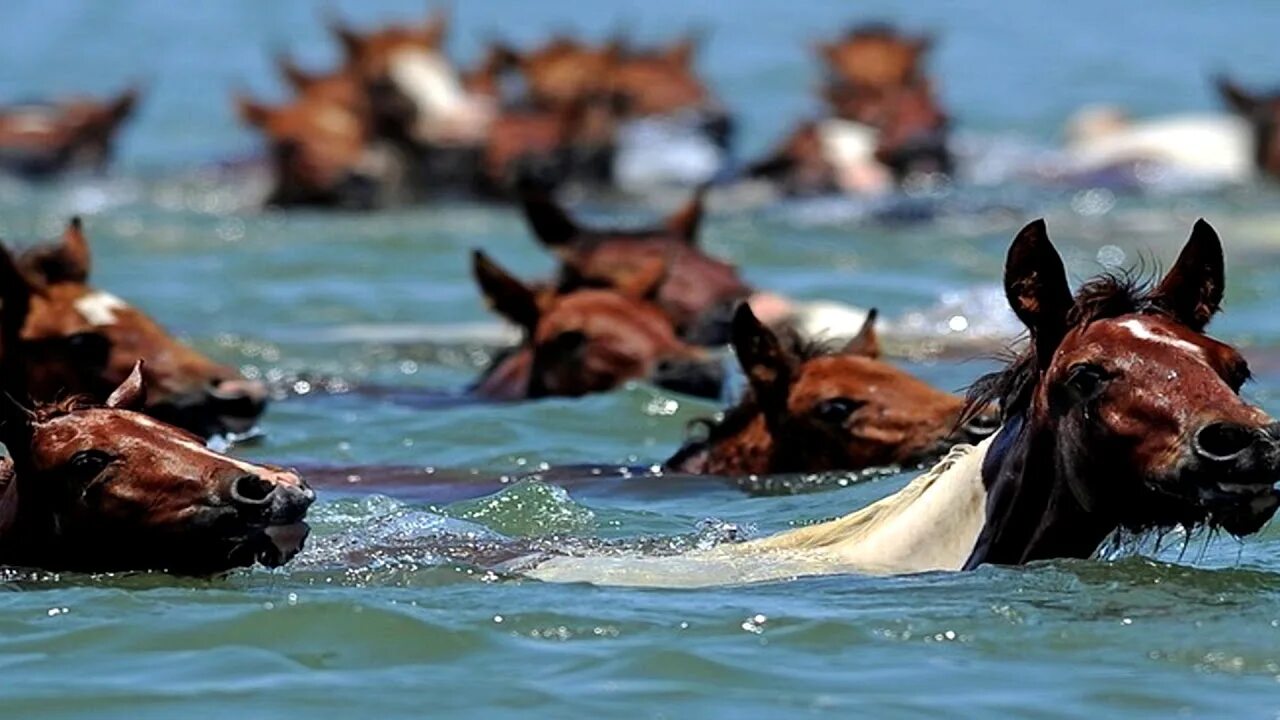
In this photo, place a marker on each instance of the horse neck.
(1032, 513)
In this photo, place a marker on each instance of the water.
(385, 614)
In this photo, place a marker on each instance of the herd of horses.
(1120, 412)
(397, 122)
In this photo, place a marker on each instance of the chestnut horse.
(697, 292)
(187, 388)
(586, 341)
(99, 488)
(885, 125)
(1120, 414)
(46, 139)
(815, 409)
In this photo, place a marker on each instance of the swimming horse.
(1120, 414)
(588, 340)
(40, 140)
(884, 127)
(1198, 148)
(818, 407)
(100, 337)
(98, 486)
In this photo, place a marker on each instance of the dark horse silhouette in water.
(1120, 414)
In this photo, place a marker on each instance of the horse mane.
(1110, 295)
(737, 418)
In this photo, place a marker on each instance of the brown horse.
(321, 153)
(1263, 113)
(564, 71)
(697, 292)
(586, 341)
(886, 123)
(417, 97)
(187, 388)
(664, 81)
(80, 133)
(104, 488)
(815, 409)
(1121, 413)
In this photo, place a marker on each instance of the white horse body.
(931, 524)
(1214, 148)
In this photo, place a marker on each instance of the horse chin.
(271, 546)
(1240, 509)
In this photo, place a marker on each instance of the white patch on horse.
(850, 148)
(931, 524)
(446, 111)
(199, 448)
(1142, 332)
(99, 308)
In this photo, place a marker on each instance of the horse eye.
(836, 410)
(88, 463)
(1086, 380)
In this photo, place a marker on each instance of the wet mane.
(1110, 295)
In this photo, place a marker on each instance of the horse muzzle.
(1237, 467)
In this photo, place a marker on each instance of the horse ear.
(76, 260)
(297, 78)
(550, 223)
(866, 343)
(508, 296)
(348, 38)
(1192, 289)
(132, 393)
(15, 304)
(437, 27)
(684, 50)
(1035, 282)
(1237, 98)
(684, 223)
(122, 106)
(251, 111)
(767, 365)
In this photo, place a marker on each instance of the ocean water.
(388, 612)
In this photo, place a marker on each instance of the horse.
(563, 71)
(1120, 414)
(322, 154)
(885, 125)
(586, 341)
(663, 82)
(44, 140)
(817, 408)
(1263, 115)
(102, 488)
(697, 292)
(416, 94)
(105, 336)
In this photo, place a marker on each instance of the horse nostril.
(1222, 442)
(251, 490)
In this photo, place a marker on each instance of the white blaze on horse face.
(1139, 330)
(99, 308)
(446, 111)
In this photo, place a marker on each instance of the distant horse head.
(549, 145)
(41, 140)
(875, 56)
(340, 87)
(586, 341)
(815, 409)
(1263, 113)
(103, 488)
(320, 153)
(1121, 412)
(187, 388)
(416, 94)
(696, 291)
(564, 71)
(911, 127)
(664, 82)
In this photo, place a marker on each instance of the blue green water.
(378, 617)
